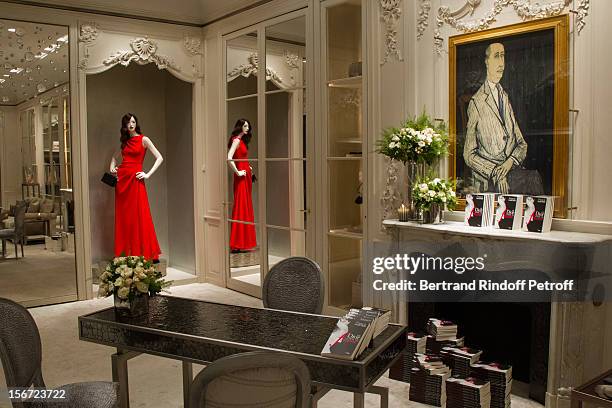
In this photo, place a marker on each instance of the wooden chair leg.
(16, 249)
(22, 255)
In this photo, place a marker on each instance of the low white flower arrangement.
(430, 191)
(417, 140)
(131, 276)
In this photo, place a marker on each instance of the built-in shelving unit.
(343, 111)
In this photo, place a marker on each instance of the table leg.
(318, 393)
(358, 400)
(384, 395)
(120, 375)
(187, 380)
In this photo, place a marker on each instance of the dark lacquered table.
(201, 332)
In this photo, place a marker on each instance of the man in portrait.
(494, 144)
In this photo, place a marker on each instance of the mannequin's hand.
(113, 170)
(241, 173)
(141, 175)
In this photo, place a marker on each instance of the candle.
(403, 213)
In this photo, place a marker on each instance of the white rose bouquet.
(131, 276)
(417, 140)
(434, 191)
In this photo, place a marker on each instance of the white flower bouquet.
(129, 277)
(434, 191)
(417, 140)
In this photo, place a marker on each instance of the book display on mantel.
(354, 331)
(443, 372)
(538, 213)
(509, 212)
(479, 209)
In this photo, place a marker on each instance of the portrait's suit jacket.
(489, 141)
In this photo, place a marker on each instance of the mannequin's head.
(129, 127)
(242, 127)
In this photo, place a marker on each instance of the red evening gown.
(134, 230)
(242, 236)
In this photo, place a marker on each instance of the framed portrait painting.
(509, 110)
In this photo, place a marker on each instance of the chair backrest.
(258, 379)
(19, 214)
(295, 284)
(20, 346)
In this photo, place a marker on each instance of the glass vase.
(414, 172)
(138, 306)
(434, 214)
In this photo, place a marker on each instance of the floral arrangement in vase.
(428, 192)
(129, 278)
(416, 140)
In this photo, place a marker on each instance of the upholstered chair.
(21, 356)
(252, 380)
(295, 284)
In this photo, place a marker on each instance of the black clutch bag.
(109, 179)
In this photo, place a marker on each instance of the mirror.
(37, 264)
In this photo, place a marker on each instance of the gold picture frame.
(554, 28)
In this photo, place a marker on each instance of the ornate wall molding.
(390, 15)
(293, 61)
(250, 68)
(88, 32)
(423, 18)
(391, 198)
(193, 45)
(143, 51)
(523, 8)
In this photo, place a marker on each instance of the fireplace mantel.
(577, 329)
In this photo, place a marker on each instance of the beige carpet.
(41, 274)
(154, 381)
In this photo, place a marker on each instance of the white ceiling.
(186, 11)
(21, 47)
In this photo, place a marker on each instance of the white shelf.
(345, 233)
(350, 82)
(458, 228)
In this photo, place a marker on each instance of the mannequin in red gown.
(134, 230)
(242, 236)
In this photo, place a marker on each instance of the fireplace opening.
(512, 333)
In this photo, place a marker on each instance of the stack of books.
(428, 380)
(354, 331)
(538, 213)
(434, 346)
(468, 392)
(509, 212)
(415, 343)
(500, 377)
(442, 329)
(460, 359)
(479, 209)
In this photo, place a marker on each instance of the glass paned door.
(277, 162)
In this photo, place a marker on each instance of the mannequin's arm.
(113, 163)
(230, 158)
(158, 159)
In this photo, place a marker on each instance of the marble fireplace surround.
(577, 329)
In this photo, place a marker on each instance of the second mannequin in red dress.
(242, 236)
(134, 229)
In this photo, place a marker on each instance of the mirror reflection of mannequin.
(134, 229)
(242, 236)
